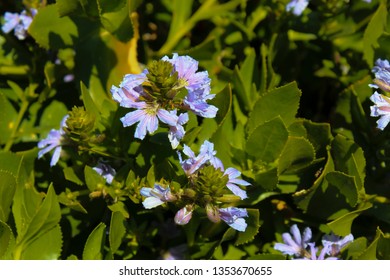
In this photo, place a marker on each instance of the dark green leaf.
(7, 241)
(266, 142)
(253, 221)
(46, 247)
(297, 153)
(346, 184)
(342, 225)
(117, 230)
(52, 31)
(93, 249)
(282, 101)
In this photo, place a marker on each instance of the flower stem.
(11, 139)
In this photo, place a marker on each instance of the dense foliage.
(197, 129)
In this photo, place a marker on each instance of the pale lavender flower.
(234, 217)
(335, 244)
(382, 74)
(322, 255)
(156, 196)
(233, 182)
(206, 155)
(196, 83)
(130, 90)
(147, 117)
(184, 215)
(105, 170)
(295, 244)
(367, 1)
(176, 133)
(380, 109)
(18, 22)
(53, 141)
(297, 6)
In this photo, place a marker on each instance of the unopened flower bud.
(212, 213)
(184, 215)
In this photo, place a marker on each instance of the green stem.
(14, 70)
(15, 129)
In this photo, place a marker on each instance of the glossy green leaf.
(346, 184)
(297, 153)
(115, 18)
(223, 101)
(375, 29)
(7, 241)
(67, 7)
(93, 179)
(370, 253)
(53, 115)
(117, 231)
(342, 225)
(253, 222)
(52, 31)
(282, 101)
(46, 247)
(7, 191)
(46, 216)
(93, 249)
(267, 141)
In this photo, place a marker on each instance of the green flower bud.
(161, 81)
(79, 123)
(212, 182)
(228, 198)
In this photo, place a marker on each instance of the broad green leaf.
(267, 179)
(349, 158)
(346, 185)
(67, 7)
(52, 31)
(71, 202)
(232, 253)
(115, 18)
(93, 249)
(121, 207)
(46, 217)
(6, 241)
(7, 191)
(8, 116)
(318, 134)
(19, 92)
(93, 179)
(342, 225)
(266, 142)
(383, 247)
(223, 101)
(371, 251)
(282, 101)
(375, 29)
(46, 247)
(253, 222)
(53, 115)
(117, 231)
(71, 175)
(356, 248)
(297, 153)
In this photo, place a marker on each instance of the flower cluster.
(209, 186)
(299, 246)
(164, 93)
(382, 103)
(19, 23)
